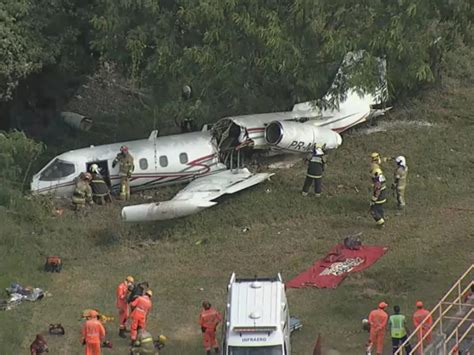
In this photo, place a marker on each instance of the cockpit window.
(57, 170)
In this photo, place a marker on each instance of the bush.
(17, 154)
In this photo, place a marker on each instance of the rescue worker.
(377, 321)
(144, 344)
(208, 320)
(398, 330)
(39, 345)
(141, 308)
(400, 180)
(378, 197)
(83, 192)
(375, 161)
(126, 167)
(100, 190)
(93, 334)
(316, 163)
(122, 304)
(420, 314)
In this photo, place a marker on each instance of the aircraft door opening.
(103, 168)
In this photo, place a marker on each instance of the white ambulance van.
(257, 320)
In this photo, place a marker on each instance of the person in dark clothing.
(100, 190)
(137, 289)
(39, 345)
(316, 162)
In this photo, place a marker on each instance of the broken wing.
(196, 196)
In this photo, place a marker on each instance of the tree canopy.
(238, 55)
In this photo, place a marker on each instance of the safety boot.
(304, 193)
(122, 333)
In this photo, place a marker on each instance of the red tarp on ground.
(336, 265)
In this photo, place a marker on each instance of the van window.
(56, 170)
(183, 158)
(163, 161)
(143, 164)
(257, 350)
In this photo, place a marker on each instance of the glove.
(114, 163)
(83, 341)
(372, 203)
(203, 329)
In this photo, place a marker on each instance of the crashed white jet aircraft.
(202, 158)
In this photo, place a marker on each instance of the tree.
(247, 56)
(36, 34)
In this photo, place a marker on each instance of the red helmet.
(124, 149)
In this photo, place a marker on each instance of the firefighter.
(377, 321)
(208, 320)
(83, 192)
(145, 344)
(398, 330)
(316, 163)
(420, 314)
(400, 180)
(375, 161)
(100, 190)
(122, 305)
(141, 308)
(378, 197)
(126, 167)
(93, 334)
(39, 345)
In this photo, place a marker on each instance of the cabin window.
(56, 170)
(143, 164)
(163, 161)
(183, 158)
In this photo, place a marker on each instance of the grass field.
(429, 245)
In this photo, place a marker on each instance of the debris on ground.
(295, 324)
(384, 126)
(17, 293)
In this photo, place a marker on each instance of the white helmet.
(94, 169)
(400, 160)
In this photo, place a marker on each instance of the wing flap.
(196, 196)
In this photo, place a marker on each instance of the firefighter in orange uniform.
(141, 307)
(208, 320)
(378, 321)
(93, 334)
(122, 305)
(420, 314)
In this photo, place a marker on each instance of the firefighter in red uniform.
(378, 321)
(208, 320)
(141, 307)
(122, 305)
(93, 334)
(418, 317)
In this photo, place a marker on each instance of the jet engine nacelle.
(300, 137)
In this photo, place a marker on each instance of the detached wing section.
(196, 196)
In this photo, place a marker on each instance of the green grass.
(429, 246)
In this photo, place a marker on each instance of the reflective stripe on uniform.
(381, 201)
(146, 340)
(314, 176)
